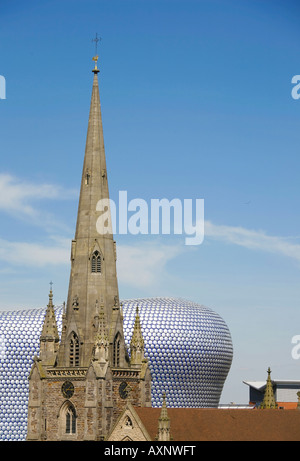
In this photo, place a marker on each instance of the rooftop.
(212, 424)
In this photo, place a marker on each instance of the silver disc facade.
(188, 345)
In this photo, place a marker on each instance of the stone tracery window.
(96, 262)
(70, 420)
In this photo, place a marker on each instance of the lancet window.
(96, 262)
(70, 415)
(117, 345)
(74, 350)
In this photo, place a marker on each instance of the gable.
(129, 427)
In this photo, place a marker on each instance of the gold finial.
(95, 70)
(95, 58)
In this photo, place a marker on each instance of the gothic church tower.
(79, 384)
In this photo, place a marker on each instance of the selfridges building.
(189, 348)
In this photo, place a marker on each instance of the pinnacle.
(50, 326)
(137, 336)
(269, 398)
(164, 412)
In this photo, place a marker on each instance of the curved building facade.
(188, 345)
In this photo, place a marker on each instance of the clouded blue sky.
(196, 103)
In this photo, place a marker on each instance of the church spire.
(92, 362)
(93, 254)
(269, 398)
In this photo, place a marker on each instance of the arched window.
(74, 350)
(70, 420)
(67, 420)
(116, 357)
(128, 422)
(96, 262)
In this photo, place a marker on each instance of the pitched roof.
(213, 424)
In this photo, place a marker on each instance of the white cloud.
(17, 196)
(26, 254)
(138, 265)
(253, 240)
(144, 265)
(21, 198)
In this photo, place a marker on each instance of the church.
(79, 383)
(86, 384)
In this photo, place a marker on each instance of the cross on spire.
(96, 40)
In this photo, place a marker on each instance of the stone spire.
(137, 342)
(93, 254)
(78, 392)
(269, 401)
(164, 434)
(49, 338)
